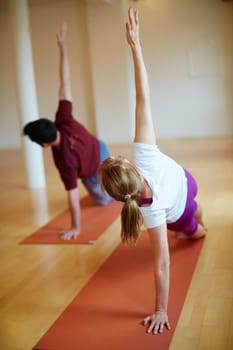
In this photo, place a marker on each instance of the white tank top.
(167, 181)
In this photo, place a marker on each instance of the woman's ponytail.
(131, 221)
(122, 181)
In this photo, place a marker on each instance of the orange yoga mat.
(107, 313)
(95, 219)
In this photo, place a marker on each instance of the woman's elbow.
(163, 265)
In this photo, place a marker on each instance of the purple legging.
(187, 223)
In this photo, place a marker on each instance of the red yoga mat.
(95, 219)
(107, 313)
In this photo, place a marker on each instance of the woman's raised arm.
(144, 129)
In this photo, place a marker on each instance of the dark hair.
(41, 131)
(122, 181)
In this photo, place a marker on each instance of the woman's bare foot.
(200, 233)
(201, 229)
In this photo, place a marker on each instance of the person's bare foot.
(200, 233)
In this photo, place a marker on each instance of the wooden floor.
(38, 282)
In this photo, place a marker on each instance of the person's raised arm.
(144, 129)
(64, 69)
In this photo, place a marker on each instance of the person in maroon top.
(76, 152)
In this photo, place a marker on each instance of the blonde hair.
(122, 181)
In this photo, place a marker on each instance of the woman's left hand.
(156, 322)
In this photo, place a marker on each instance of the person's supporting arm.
(160, 251)
(144, 129)
(74, 207)
(64, 69)
(66, 94)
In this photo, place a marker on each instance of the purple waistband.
(145, 201)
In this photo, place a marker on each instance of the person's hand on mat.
(74, 207)
(69, 234)
(157, 322)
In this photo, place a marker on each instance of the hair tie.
(127, 196)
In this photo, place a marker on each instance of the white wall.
(188, 50)
(9, 123)
(45, 21)
(110, 72)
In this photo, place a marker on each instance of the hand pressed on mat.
(156, 322)
(69, 234)
(74, 206)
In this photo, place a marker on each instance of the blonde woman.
(155, 189)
